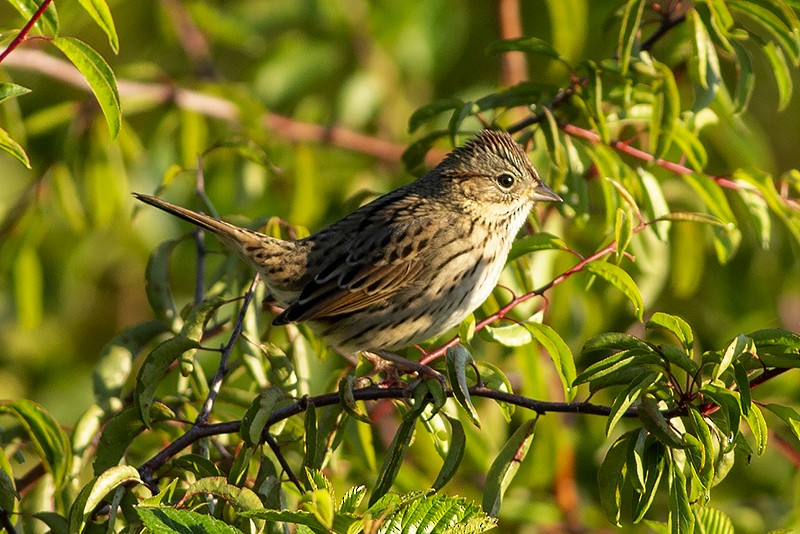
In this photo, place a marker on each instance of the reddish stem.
(23, 33)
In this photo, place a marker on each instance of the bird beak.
(545, 194)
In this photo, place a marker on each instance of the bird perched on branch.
(407, 266)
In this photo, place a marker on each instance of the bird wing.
(371, 268)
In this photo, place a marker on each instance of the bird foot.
(392, 365)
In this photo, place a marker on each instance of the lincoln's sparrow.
(407, 266)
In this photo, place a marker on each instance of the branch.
(220, 108)
(513, 65)
(198, 432)
(222, 369)
(676, 168)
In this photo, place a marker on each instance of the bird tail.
(228, 232)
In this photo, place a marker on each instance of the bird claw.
(393, 365)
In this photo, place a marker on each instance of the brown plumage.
(407, 266)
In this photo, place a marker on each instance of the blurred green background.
(73, 249)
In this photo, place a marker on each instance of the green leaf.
(157, 287)
(7, 144)
(746, 79)
(352, 499)
(653, 420)
(534, 243)
(99, 76)
(705, 63)
(348, 401)
(394, 459)
(48, 440)
(765, 185)
(256, 417)
(728, 237)
(730, 407)
(455, 453)
(629, 395)
(740, 345)
(702, 431)
(428, 111)
(457, 359)
(713, 521)
(758, 427)
(423, 512)
(623, 231)
(508, 335)
(691, 146)
(620, 279)
(759, 216)
(242, 499)
(680, 357)
(47, 24)
(613, 363)
(505, 466)
(494, 378)
(169, 520)
(530, 45)
(95, 491)
(681, 519)
(788, 415)
(11, 90)
(628, 32)
(611, 476)
(783, 75)
(617, 341)
(785, 31)
(98, 10)
(154, 369)
(116, 362)
(559, 352)
(674, 324)
(119, 432)
(671, 111)
(653, 463)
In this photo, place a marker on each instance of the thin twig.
(667, 23)
(220, 108)
(23, 33)
(513, 64)
(199, 240)
(276, 450)
(222, 369)
(5, 521)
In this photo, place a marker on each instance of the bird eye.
(505, 180)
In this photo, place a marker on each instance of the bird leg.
(393, 364)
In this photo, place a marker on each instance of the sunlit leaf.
(99, 76)
(7, 144)
(629, 31)
(531, 45)
(98, 10)
(620, 279)
(47, 439)
(163, 520)
(559, 352)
